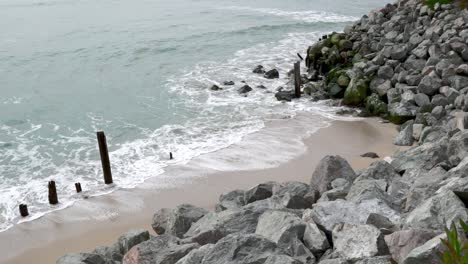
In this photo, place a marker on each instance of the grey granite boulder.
(426, 253)
(280, 226)
(358, 241)
(241, 248)
(405, 137)
(259, 192)
(158, 250)
(287, 231)
(230, 200)
(421, 99)
(196, 256)
(82, 258)
(214, 226)
(329, 214)
(429, 85)
(425, 156)
(438, 212)
(131, 239)
(176, 221)
(402, 242)
(379, 170)
(329, 169)
(314, 238)
(375, 260)
(368, 190)
(293, 195)
(281, 259)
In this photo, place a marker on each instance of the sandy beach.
(100, 220)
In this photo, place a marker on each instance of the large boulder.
(405, 137)
(356, 92)
(329, 169)
(163, 249)
(375, 106)
(259, 192)
(293, 195)
(358, 241)
(286, 230)
(241, 248)
(214, 226)
(314, 238)
(82, 258)
(425, 156)
(458, 144)
(426, 253)
(116, 251)
(402, 242)
(379, 170)
(429, 85)
(231, 200)
(329, 214)
(196, 256)
(176, 221)
(281, 259)
(368, 190)
(272, 74)
(438, 212)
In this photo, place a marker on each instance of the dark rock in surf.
(229, 83)
(285, 95)
(259, 70)
(271, 74)
(215, 88)
(244, 89)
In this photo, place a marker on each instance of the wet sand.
(100, 220)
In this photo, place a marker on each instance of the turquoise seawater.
(140, 70)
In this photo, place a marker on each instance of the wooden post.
(106, 169)
(23, 210)
(78, 187)
(170, 155)
(53, 199)
(297, 79)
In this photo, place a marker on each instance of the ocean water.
(140, 70)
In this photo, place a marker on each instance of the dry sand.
(100, 220)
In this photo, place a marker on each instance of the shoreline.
(81, 228)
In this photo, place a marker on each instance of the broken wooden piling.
(23, 210)
(53, 199)
(103, 151)
(297, 79)
(78, 187)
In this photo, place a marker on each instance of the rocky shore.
(407, 63)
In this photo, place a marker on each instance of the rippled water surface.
(140, 70)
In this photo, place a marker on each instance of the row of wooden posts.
(106, 168)
(104, 152)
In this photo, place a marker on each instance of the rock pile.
(405, 61)
(388, 212)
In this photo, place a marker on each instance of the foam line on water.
(309, 16)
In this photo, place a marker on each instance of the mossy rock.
(335, 91)
(375, 106)
(333, 75)
(356, 92)
(426, 108)
(345, 44)
(343, 80)
(335, 38)
(398, 120)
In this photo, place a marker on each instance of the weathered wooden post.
(23, 210)
(170, 156)
(53, 199)
(78, 187)
(297, 79)
(106, 169)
